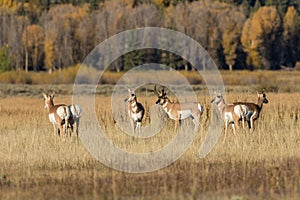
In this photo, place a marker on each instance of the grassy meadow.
(264, 165)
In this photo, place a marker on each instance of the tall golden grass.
(264, 164)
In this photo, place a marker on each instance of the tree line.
(42, 35)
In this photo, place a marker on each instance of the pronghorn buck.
(135, 111)
(59, 115)
(179, 111)
(230, 113)
(253, 110)
(75, 111)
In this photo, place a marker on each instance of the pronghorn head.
(48, 99)
(262, 97)
(162, 96)
(131, 96)
(217, 98)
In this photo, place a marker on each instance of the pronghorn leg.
(233, 129)
(234, 132)
(180, 123)
(225, 132)
(135, 127)
(71, 129)
(61, 130)
(132, 126)
(235, 126)
(66, 127)
(138, 127)
(243, 122)
(196, 122)
(54, 128)
(251, 122)
(176, 123)
(77, 127)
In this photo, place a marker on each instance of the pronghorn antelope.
(59, 115)
(230, 113)
(179, 111)
(75, 111)
(135, 111)
(253, 110)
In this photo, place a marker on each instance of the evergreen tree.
(5, 59)
(291, 38)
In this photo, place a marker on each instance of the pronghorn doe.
(59, 115)
(179, 111)
(230, 113)
(253, 110)
(135, 111)
(75, 111)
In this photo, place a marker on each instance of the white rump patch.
(228, 116)
(63, 112)
(75, 110)
(52, 118)
(241, 111)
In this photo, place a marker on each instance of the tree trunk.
(26, 60)
(186, 67)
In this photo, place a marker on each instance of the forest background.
(56, 35)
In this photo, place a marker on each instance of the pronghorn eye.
(132, 95)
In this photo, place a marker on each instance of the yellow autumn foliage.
(9, 5)
(265, 21)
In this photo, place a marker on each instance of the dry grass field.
(264, 165)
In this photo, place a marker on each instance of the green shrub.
(268, 87)
(5, 59)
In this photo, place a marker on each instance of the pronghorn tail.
(66, 114)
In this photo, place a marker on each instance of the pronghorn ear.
(257, 93)
(129, 90)
(44, 95)
(155, 91)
